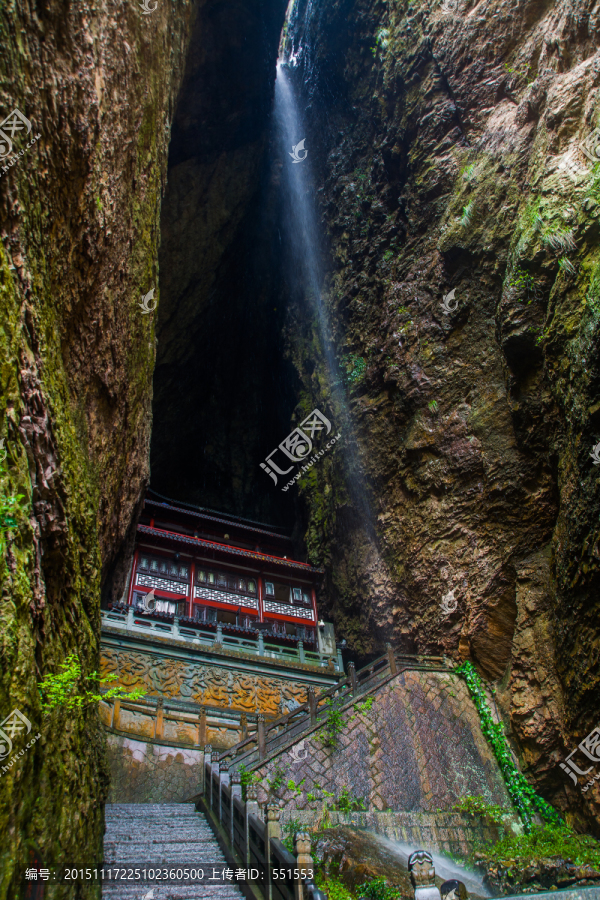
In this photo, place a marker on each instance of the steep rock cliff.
(462, 220)
(80, 229)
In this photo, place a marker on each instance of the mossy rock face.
(80, 211)
(450, 159)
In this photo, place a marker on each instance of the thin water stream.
(304, 265)
(445, 867)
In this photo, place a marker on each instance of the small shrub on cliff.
(355, 368)
(526, 801)
(378, 889)
(10, 505)
(67, 688)
(543, 843)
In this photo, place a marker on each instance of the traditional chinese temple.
(218, 625)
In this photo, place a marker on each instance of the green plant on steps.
(277, 781)
(66, 690)
(526, 801)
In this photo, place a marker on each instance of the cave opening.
(225, 386)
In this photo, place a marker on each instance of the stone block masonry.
(417, 750)
(149, 772)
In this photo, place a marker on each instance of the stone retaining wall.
(148, 772)
(410, 757)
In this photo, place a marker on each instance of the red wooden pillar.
(259, 581)
(192, 582)
(132, 577)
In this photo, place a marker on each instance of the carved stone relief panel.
(203, 684)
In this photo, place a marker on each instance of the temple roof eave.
(200, 543)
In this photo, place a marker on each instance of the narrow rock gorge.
(183, 280)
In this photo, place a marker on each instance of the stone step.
(162, 835)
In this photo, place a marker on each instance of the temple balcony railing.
(132, 622)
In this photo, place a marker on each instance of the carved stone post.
(223, 780)
(202, 727)
(207, 786)
(262, 738)
(243, 727)
(236, 791)
(175, 626)
(312, 706)
(301, 651)
(215, 801)
(391, 659)
(352, 674)
(251, 810)
(159, 725)
(219, 637)
(340, 661)
(273, 830)
(304, 860)
(261, 644)
(129, 617)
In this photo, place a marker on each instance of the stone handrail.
(352, 685)
(130, 620)
(252, 841)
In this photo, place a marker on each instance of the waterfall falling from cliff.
(305, 271)
(301, 218)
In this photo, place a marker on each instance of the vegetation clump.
(526, 801)
(378, 889)
(542, 843)
(477, 806)
(66, 688)
(355, 368)
(334, 724)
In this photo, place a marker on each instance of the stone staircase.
(162, 835)
(354, 688)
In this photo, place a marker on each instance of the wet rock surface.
(353, 857)
(464, 273)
